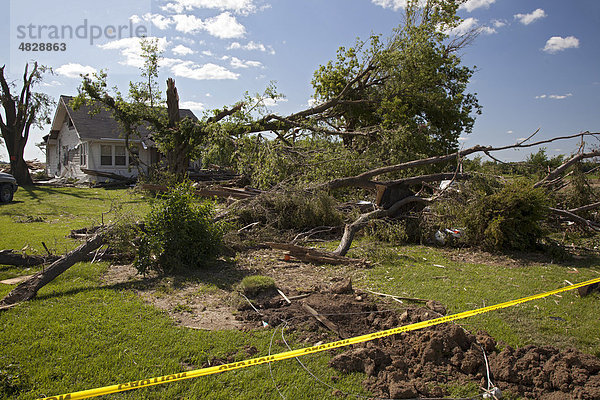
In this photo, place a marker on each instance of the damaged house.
(83, 145)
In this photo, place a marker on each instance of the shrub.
(179, 233)
(255, 284)
(510, 218)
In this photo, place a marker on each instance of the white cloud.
(560, 96)
(463, 139)
(160, 21)
(393, 4)
(251, 45)
(192, 105)
(237, 63)
(527, 19)
(208, 53)
(188, 69)
(554, 96)
(50, 84)
(269, 102)
(467, 25)
(557, 43)
(129, 47)
(499, 23)
(188, 23)
(471, 5)
(509, 132)
(182, 50)
(74, 70)
(487, 30)
(225, 26)
(237, 6)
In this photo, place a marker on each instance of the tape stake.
(86, 394)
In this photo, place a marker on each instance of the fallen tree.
(28, 289)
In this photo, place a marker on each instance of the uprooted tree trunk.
(28, 289)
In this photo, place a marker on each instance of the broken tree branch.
(9, 257)
(576, 218)
(351, 229)
(28, 289)
(312, 255)
(361, 179)
(564, 166)
(587, 207)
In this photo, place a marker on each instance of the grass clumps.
(179, 233)
(253, 285)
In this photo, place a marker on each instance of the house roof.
(96, 123)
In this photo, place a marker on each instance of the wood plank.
(322, 319)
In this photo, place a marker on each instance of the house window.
(120, 155)
(70, 123)
(105, 154)
(83, 150)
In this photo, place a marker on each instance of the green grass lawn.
(563, 321)
(80, 333)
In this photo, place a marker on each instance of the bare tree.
(20, 113)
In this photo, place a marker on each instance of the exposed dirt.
(424, 363)
(416, 364)
(209, 300)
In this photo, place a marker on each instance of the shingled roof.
(100, 124)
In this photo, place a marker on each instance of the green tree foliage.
(143, 108)
(408, 95)
(179, 233)
(494, 216)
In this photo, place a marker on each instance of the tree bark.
(20, 114)
(28, 289)
(177, 157)
(564, 166)
(351, 229)
(9, 257)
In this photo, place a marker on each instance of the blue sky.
(538, 61)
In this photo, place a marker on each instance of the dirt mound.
(426, 363)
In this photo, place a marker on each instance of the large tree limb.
(358, 180)
(564, 166)
(576, 218)
(351, 229)
(28, 289)
(10, 257)
(587, 207)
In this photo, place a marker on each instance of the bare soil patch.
(424, 363)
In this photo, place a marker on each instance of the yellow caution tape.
(85, 394)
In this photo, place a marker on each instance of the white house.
(81, 141)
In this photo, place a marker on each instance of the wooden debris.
(300, 296)
(215, 191)
(10, 257)
(284, 296)
(322, 319)
(312, 255)
(416, 300)
(109, 175)
(29, 288)
(16, 280)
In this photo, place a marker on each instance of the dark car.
(8, 187)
